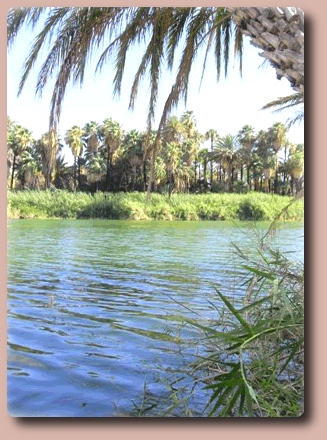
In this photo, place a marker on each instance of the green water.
(94, 307)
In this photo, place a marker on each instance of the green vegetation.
(106, 158)
(255, 350)
(133, 206)
(252, 350)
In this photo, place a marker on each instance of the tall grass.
(257, 359)
(133, 206)
(251, 361)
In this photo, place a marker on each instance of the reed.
(251, 355)
(133, 206)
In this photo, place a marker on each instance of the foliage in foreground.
(133, 206)
(256, 362)
(252, 361)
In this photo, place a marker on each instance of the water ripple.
(94, 307)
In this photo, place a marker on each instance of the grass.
(133, 206)
(252, 352)
(256, 349)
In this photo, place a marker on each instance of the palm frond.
(286, 102)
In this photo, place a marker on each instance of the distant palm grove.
(106, 158)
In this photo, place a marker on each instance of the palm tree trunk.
(108, 165)
(211, 163)
(144, 176)
(13, 171)
(205, 175)
(75, 184)
(79, 171)
(248, 177)
(280, 33)
(151, 177)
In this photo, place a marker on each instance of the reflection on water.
(94, 307)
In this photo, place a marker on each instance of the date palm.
(75, 33)
(279, 32)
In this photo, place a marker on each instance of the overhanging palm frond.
(286, 102)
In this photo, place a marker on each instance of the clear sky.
(225, 106)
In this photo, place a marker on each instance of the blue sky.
(225, 106)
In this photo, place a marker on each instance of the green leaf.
(261, 273)
(235, 312)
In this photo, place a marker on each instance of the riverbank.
(133, 206)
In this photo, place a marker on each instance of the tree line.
(70, 36)
(107, 158)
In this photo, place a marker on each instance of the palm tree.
(18, 140)
(171, 153)
(213, 136)
(112, 134)
(92, 137)
(48, 146)
(188, 123)
(28, 168)
(295, 166)
(227, 153)
(263, 160)
(280, 33)
(74, 137)
(203, 158)
(95, 170)
(148, 139)
(173, 130)
(172, 138)
(277, 138)
(246, 137)
(134, 152)
(77, 33)
(190, 149)
(63, 175)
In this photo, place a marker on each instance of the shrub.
(249, 210)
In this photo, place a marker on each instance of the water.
(92, 307)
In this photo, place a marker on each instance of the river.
(94, 306)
